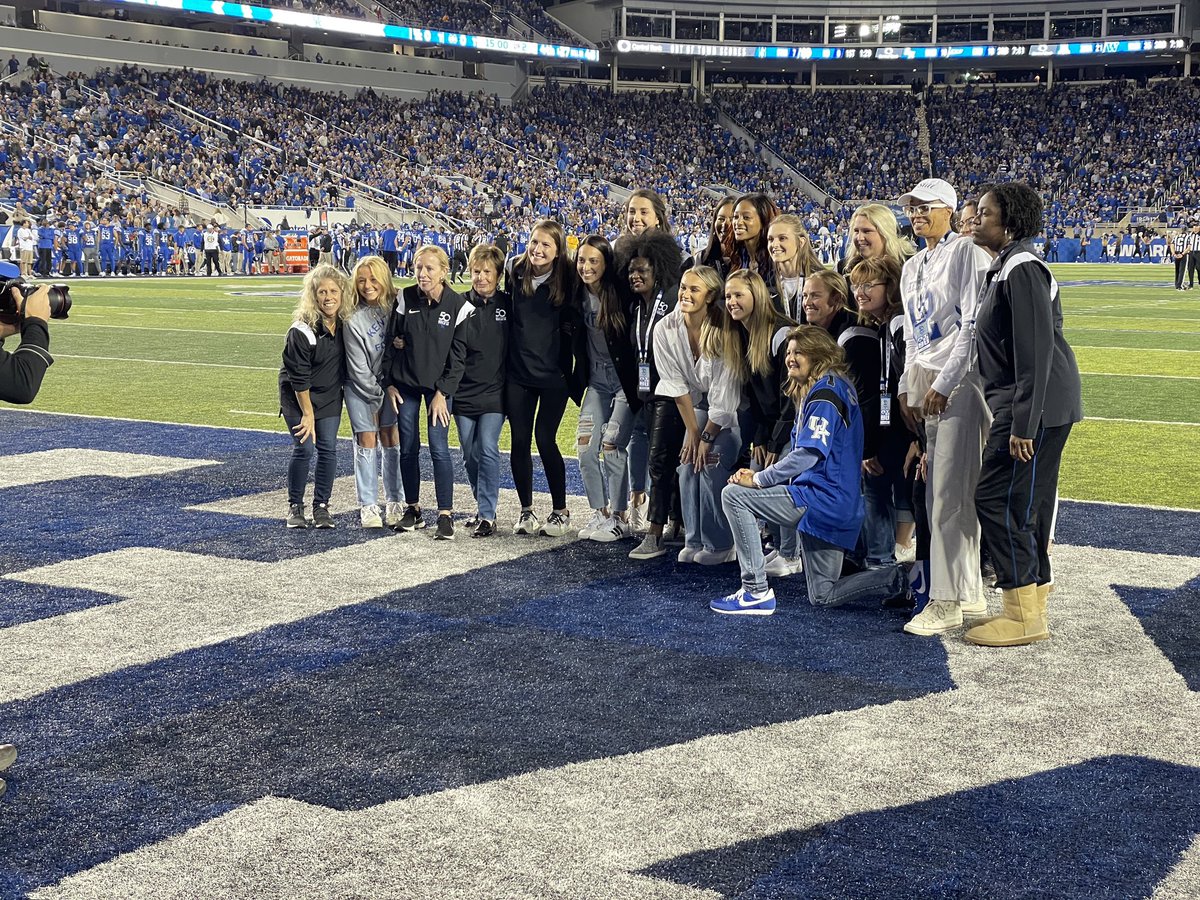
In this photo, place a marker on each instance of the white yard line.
(168, 362)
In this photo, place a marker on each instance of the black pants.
(1181, 266)
(1015, 504)
(212, 261)
(1193, 259)
(665, 429)
(390, 257)
(535, 414)
(44, 255)
(458, 264)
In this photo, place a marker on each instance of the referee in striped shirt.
(1179, 253)
(1193, 253)
(460, 244)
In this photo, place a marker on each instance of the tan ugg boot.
(1023, 622)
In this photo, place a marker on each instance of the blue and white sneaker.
(744, 603)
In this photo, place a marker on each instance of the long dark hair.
(656, 201)
(562, 272)
(720, 246)
(767, 212)
(612, 310)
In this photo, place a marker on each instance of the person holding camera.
(22, 370)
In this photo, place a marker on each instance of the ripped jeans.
(605, 423)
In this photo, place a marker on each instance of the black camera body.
(11, 313)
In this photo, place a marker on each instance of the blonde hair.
(825, 357)
(764, 321)
(835, 284)
(439, 254)
(884, 220)
(807, 257)
(374, 265)
(307, 310)
(716, 342)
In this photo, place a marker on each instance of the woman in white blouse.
(691, 346)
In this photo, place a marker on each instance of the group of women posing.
(707, 408)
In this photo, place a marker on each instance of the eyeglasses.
(923, 209)
(866, 286)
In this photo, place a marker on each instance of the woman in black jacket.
(481, 345)
(608, 371)
(888, 441)
(418, 367)
(1032, 386)
(310, 389)
(649, 265)
(541, 344)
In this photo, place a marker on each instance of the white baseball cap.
(929, 191)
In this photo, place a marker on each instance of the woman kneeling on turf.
(814, 489)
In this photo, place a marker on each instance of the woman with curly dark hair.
(1031, 382)
(649, 264)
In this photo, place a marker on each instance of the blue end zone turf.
(565, 654)
(1112, 827)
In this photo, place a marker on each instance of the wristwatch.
(707, 438)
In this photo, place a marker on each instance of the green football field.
(206, 351)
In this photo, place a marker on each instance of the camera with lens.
(11, 312)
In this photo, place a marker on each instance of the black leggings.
(521, 403)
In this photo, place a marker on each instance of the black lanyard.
(643, 337)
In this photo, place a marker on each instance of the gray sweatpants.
(955, 455)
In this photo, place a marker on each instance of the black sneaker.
(321, 516)
(411, 520)
(295, 518)
(445, 528)
(484, 529)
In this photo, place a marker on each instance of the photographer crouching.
(25, 310)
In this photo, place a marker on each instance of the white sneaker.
(938, 617)
(557, 524)
(369, 517)
(595, 523)
(612, 530)
(392, 513)
(780, 566)
(906, 553)
(711, 558)
(639, 522)
(976, 607)
(528, 523)
(687, 555)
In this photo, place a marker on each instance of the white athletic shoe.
(639, 522)
(369, 517)
(393, 513)
(528, 523)
(938, 617)
(711, 558)
(778, 566)
(613, 529)
(687, 555)
(976, 607)
(596, 522)
(557, 524)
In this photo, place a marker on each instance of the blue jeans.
(410, 450)
(480, 440)
(363, 420)
(704, 520)
(822, 560)
(888, 500)
(605, 419)
(639, 455)
(302, 454)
